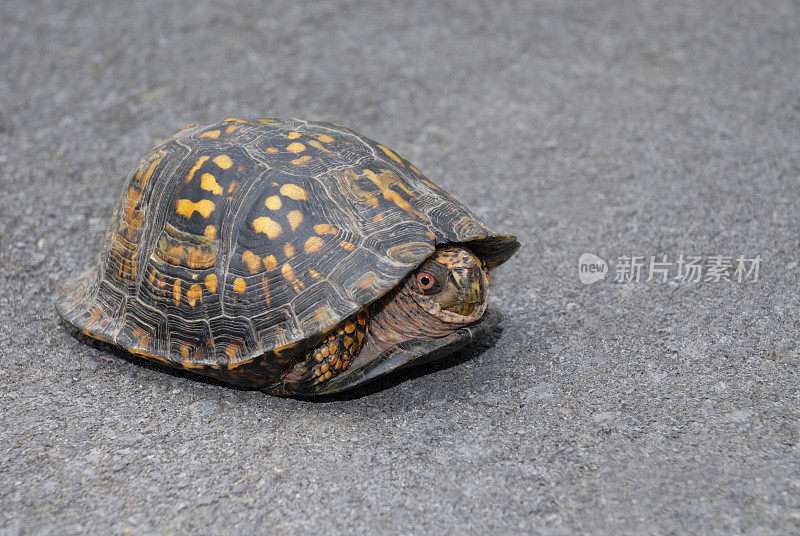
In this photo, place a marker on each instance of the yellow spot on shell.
(265, 288)
(293, 191)
(349, 327)
(194, 293)
(273, 202)
(315, 274)
(186, 207)
(313, 244)
(231, 128)
(318, 145)
(270, 263)
(295, 218)
(302, 160)
(185, 348)
(239, 285)
(232, 350)
(288, 274)
(161, 283)
(149, 173)
(293, 135)
(267, 226)
(252, 261)
(209, 183)
(224, 161)
(174, 254)
(390, 154)
(347, 245)
(233, 119)
(210, 232)
(288, 249)
(197, 259)
(325, 138)
(429, 184)
(213, 134)
(414, 169)
(272, 150)
(195, 167)
(176, 292)
(324, 229)
(296, 147)
(211, 283)
(398, 200)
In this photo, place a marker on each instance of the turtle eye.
(426, 282)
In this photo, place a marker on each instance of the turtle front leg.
(332, 355)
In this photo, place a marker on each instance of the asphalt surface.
(616, 128)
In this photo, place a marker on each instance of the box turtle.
(295, 256)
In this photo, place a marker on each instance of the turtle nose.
(476, 292)
(470, 284)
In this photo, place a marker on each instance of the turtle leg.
(332, 355)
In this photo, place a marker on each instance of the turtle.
(296, 257)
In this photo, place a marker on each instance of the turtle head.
(452, 285)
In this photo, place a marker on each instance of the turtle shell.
(235, 245)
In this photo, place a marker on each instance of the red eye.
(425, 281)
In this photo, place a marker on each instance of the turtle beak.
(471, 285)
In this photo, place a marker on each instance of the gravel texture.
(618, 128)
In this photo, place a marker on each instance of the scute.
(245, 238)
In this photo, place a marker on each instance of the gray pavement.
(617, 128)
